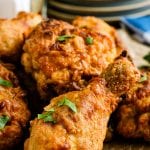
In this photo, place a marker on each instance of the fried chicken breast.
(78, 119)
(134, 113)
(14, 31)
(63, 58)
(102, 27)
(14, 113)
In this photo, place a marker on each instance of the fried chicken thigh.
(63, 58)
(85, 128)
(13, 110)
(134, 113)
(14, 31)
(100, 26)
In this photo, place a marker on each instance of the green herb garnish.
(66, 102)
(3, 121)
(64, 37)
(147, 57)
(143, 78)
(5, 83)
(47, 116)
(89, 40)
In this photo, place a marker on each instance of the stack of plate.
(109, 10)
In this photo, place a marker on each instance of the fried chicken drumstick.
(14, 31)
(14, 113)
(78, 120)
(63, 57)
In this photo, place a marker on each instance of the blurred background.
(130, 17)
(109, 10)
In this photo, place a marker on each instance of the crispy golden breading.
(134, 113)
(102, 27)
(85, 129)
(12, 105)
(65, 65)
(75, 131)
(14, 31)
(120, 83)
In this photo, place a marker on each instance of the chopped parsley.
(143, 78)
(66, 102)
(47, 116)
(5, 83)
(89, 40)
(64, 37)
(147, 57)
(3, 121)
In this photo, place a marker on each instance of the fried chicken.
(84, 127)
(134, 112)
(63, 57)
(102, 27)
(14, 31)
(13, 110)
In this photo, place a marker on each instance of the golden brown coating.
(65, 65)
(84, 129)
(75, 131)
(14, 31)
(12, 105)
(100, 26)
(134, 113)
(119, 78)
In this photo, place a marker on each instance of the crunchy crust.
(122, 76)
(12, 104)
(134, 113)
(98, 25)
(85, 129)
(14, 31)
(65, 65)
